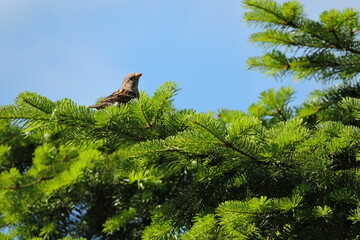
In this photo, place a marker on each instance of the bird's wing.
(117, 97)
(100, 105)
(121, 96)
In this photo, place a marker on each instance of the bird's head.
(131, 81)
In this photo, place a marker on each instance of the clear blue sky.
(82, 49)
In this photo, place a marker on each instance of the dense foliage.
(148, 170)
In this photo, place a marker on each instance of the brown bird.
(129, 90)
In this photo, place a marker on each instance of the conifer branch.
(162, 105)
(300, 25)
(283, 22)
(318, 35)
(148, 122)
(255, 213)
(231, 146)
(18, 187)
(333, 31)
(36, 182)
(225, 143)
(23, 117)
(35, 106)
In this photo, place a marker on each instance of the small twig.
(149, 123)
(227, 144)
(28, 185)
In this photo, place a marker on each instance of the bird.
(128, 91)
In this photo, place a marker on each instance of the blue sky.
(82, 49)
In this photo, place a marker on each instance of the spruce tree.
(146, 170)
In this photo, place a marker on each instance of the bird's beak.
(138, 74)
